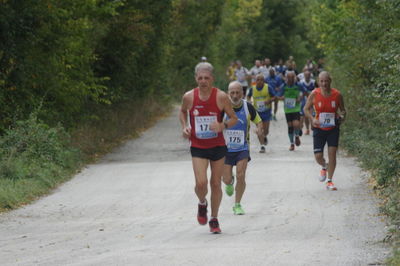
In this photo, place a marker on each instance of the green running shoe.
(237, 209)
(229, 188)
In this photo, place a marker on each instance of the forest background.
(77, 77)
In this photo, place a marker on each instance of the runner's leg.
(200, 166)
(240, 179)
(215, 183)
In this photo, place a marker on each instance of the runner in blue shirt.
(275, 84)
(308, 85)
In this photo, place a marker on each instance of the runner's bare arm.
(224, 104)
(187, 101)
(307, 109)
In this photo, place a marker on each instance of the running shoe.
(229, 188)
(237, 209)
(322, 175)
(202, 214)
(330, 186)
(214, 226)
(274, 117)
(297, 141)
(262, 149)
(291, 148)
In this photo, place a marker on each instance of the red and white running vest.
(202, 115)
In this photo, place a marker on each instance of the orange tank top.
(326, 108)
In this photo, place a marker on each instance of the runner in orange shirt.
(329, 114)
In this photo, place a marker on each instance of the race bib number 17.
(202, 127)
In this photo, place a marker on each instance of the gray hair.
(260, 75)
(203, 66)
(325, 73)
(234, 84)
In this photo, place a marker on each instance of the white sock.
(203, 203)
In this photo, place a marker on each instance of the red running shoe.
(214, 226)
(202, 214)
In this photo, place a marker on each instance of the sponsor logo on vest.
(333, 104)
(195, 112)
(319, 104)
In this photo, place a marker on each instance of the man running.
(262, 99)
(206, 106)
(275, 84)
(292, 95)
(242, 74)
(237, 138)
(327, 102)
(308, 85)
(254, 71)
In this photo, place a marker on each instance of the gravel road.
(137, 207)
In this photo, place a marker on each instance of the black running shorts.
(292, 116)
(213, 154)
(321, 137)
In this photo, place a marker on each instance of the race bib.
(202, 127)
(234, 139)
(326, 120)
(290, 103)
(260, 106)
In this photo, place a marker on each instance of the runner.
(275, 84)
(327, 102)
(205, 106)
(280, 68)
(241, 74)
(267, 66)
(237, 138)
(292, 96)
(262, 98)
(230, 71)
(254, 71)
(308, 85)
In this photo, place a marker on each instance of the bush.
(33, 158)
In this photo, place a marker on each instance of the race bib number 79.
(202, 127)
(326, 120)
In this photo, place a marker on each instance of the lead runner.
(206, 106)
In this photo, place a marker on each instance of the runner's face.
(236, 94)
(260, 82)
(204, 79)
(324, 82)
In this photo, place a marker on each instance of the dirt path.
(137, 207)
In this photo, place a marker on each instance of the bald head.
(235, 92)
(325, 74)
(324, 80)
